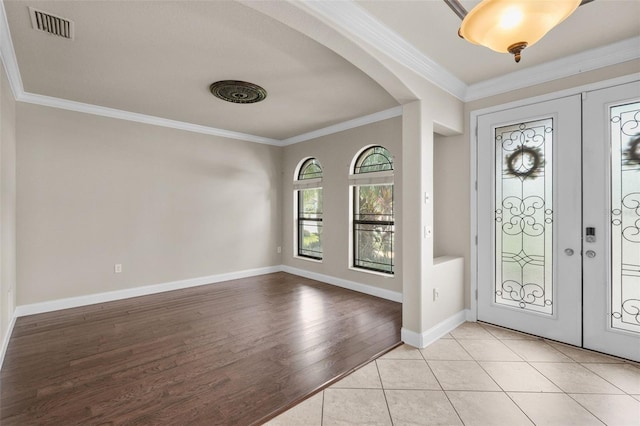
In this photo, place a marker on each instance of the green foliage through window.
(373, 227)
(310, 223)
(310, 169)
(374, 159)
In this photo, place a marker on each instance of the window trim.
(300, 185)
(376, 178)
(357, 169)
(299, 224)
(355, 222)
(301, 168)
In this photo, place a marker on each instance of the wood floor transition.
(238, 352)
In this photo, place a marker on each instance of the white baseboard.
(91, 299)
(471, 315)
(350, 285)
(5, 340)
(424, 339)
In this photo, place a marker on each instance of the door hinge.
(476, 185)
(476, 240)
(476, 294)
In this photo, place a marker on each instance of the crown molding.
(349, 17)
(141, 118)
(612, 54)
(352, 18)
(346, 125)
(8, 55)
(8, 58)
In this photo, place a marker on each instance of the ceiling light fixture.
(238, 92)
(509, 26)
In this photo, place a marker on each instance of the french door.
(559, 219)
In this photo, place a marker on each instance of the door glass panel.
(524, 216)
(625, 217)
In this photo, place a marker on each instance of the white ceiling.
(433, 28)
(158, 58)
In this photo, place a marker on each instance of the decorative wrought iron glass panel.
(374, 159)
(373, 227)
(625, 217)
(524, 216)
(310, 223)
(310, 169)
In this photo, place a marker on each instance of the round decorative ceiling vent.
(238, 92)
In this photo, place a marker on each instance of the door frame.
(600, 335)
(560, 183)
(473, 168)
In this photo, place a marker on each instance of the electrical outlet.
(117, 268)
(427, 232)
(279, 249)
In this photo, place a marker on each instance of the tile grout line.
(551, 381)
(586, 408)
(446, 395)
(568, 394)
(570, 360)
(384, 393)
(605, 379)
(322, 409)
(496, 382)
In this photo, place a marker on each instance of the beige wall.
(451, 197)
(171, 205)
(335, 153)
(7, 203)
(166, 204)
(451, 203)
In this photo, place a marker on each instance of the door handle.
(591, 254)
(568, 252)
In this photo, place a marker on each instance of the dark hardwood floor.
(233, 353)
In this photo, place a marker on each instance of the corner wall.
(7, 206)
(451, 225)
(166, 204)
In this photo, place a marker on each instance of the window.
(373, 222)
(308, 186)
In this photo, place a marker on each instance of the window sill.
(308, 259)
(368, 271)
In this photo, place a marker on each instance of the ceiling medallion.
(238, 92)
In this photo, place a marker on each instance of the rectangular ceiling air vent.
(54, 25)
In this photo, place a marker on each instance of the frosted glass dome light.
(511, 25)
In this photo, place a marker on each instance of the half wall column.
(417, 219)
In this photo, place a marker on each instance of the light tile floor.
(480, 375)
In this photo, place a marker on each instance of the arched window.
(374, 159)
(308, 188)
(310, 169)
(372, 210)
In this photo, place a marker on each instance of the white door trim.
(544, 218)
